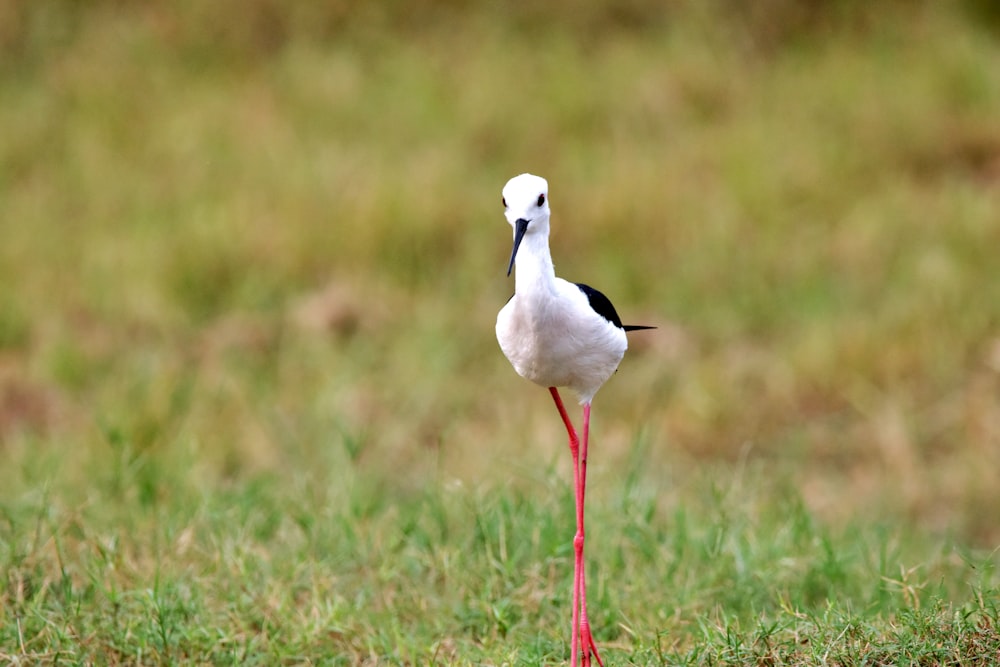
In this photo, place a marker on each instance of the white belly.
(560, 341)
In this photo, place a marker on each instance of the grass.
(310, 569)
(252, 411)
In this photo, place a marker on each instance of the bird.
(558, 334)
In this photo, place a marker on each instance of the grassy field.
(252, 410)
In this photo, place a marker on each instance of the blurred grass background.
(253, 252)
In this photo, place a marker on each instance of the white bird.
(558, 334)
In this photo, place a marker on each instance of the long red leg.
(574, 448)
(586, 639)
(581, 625)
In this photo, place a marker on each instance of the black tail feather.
(636, 327)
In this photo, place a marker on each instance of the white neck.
(533, 270)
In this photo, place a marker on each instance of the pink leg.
(586, 638)
(581, 625)
(574, 448)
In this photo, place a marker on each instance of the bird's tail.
(636, 327)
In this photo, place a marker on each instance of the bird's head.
(526, 207)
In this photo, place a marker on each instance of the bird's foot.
(588, 646)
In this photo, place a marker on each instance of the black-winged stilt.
(558, 334)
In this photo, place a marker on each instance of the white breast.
(558, 340)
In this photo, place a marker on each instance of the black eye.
(504, 200)
(541, 199)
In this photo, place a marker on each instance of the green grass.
(334, 567)
(251, 406)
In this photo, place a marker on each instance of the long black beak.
(520, 227)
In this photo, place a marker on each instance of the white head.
(526, 207)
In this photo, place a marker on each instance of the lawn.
(252, 409)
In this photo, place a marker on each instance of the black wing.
(602, 306)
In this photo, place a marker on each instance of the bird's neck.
(533, 267)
